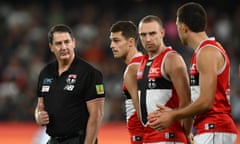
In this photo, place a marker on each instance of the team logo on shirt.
(152, 84)
(71, 81)
(100, 89)
(192, 80)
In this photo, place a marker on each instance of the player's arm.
(130, 81)
(96, 112)
(176, 70)
(209, 61)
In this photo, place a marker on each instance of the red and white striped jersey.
(218, 118)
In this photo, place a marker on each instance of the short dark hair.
(128, 29)
(59, 28)
(193, 15)
(151, 18)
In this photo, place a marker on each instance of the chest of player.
(150, 75)
(150, 69)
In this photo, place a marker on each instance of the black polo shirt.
(65, 96)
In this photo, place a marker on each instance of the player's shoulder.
(137, 59)
(172, 54)
(50, 67)
(168, 52)
(86, 66)
(208, 51)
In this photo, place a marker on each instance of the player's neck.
(131, 54)
(196, 39)
(157, 52)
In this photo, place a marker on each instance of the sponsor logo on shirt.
(149, 63)
(100, 89)
(155, 70)
(193, 67)
(47, 81)
(45, 88)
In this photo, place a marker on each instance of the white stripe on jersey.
(215, 138)
(130, 110)
(195, 92)
(157, 96)
(154, 97)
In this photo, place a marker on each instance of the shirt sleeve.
(95, 86)
(39, 86)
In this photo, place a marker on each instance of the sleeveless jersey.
(135, 127)
(154, 87)
(128, 102)
(218, 118)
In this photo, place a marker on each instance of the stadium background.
(24, 50)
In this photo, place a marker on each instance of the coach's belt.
(63, 138)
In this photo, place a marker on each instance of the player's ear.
(74, 42)
(162, 31)
(185, 27)
(132, 41)
(50, 47)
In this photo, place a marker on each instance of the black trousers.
(68, 140)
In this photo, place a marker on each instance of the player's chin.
(116, 56)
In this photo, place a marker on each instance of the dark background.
(24, 46)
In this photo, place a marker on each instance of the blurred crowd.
(24, 45)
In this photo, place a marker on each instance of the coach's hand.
(41, 116)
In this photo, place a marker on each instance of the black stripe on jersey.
(126, 94)
(194, 80)
(143, 85)
(150, 83)
(159, 83)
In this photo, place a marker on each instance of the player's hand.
(163, 108)
(161, 118)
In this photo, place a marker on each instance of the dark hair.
(151, 18)
(193, 15)
(128, 29)
(59, 28)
